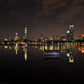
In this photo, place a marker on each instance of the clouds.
(64, 11)
(61, 11)
(41, 14)
(75, 14)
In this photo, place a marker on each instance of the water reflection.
(50, 51)
(16, 48)
(25, 52)
(69, 54)
(54, 51)
(5, 47)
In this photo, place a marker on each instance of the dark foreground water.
(30, 65)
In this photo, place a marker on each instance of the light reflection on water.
(68, 48)
(45, 62)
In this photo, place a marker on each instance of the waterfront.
(28, 64)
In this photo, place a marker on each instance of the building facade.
(70, 33)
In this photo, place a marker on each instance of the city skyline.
(46, 17)
(68, 34)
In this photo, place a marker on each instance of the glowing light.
(71, 26)
(68, 32)
(82, 49)
(41, 48)
(10, 47)
(25, 57)
(25, 54)
(16, 34)
(82, 35)
(51, 48)
(46, 48)
(16, 38)
(68, 54)
(5, 39)
(5, 47)
(16, 44)
(16, 49)
(25, 30)
(71, 59)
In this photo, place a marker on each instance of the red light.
(82, 49)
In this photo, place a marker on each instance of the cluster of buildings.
(68, 36)
(17, 37)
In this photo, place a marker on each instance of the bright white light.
(68, 32)
(68, 54)
(16, 34)
(16, 44)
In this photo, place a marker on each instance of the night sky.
(46, 17)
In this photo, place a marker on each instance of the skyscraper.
(63, 37)
(25, 34)
(71, 28)
(70, 33)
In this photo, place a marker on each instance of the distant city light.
(16, 44)
(82, 49)
(16, 34)
(82, 35)
(68, 54)
(71, 26)
(68, 32)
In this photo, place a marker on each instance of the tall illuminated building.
(71, 28)
(63, 37)
(70, 33)
(25, 31)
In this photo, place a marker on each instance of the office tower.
(70, 33)
(63, 37)
(25, 31)
(25, 34)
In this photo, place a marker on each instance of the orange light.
(82, 35)
(82, 50)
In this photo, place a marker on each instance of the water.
(30, 64)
